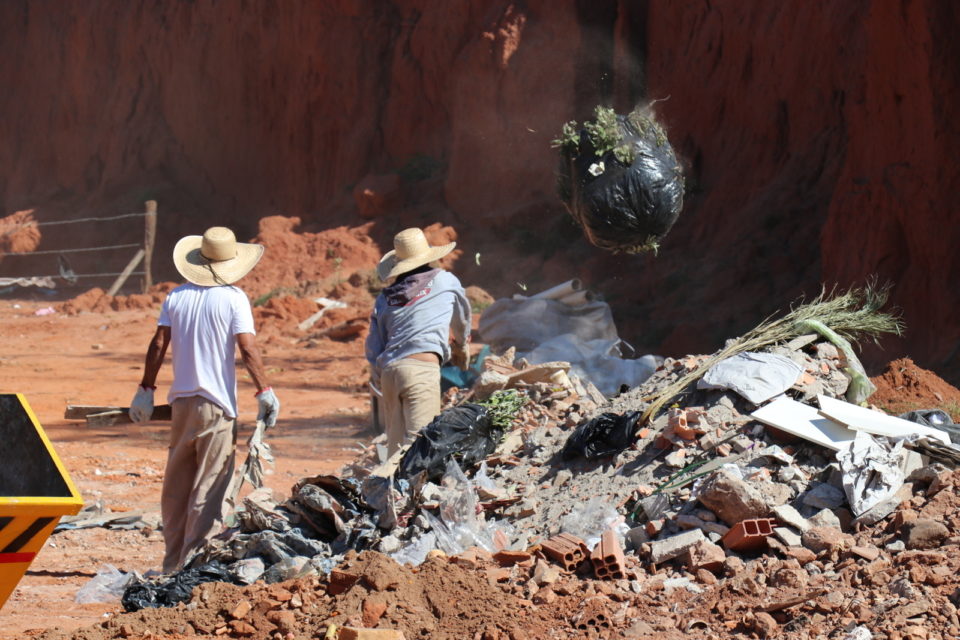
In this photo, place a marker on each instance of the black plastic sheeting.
(606, 435)
(936, 419)
(175, 589)
(465, 432)
(626, 206)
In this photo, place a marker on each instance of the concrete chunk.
(674, 546)
(732, 499)
(705, 555)
(790, 516)
(824, 496)
(787, 536)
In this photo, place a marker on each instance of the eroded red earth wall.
(819, 141)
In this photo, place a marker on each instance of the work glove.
(460, 356)
(268, 407)
(141, 407)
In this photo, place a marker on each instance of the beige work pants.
(411, 399)
(199, 467)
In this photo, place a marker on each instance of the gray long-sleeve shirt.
(421, 325)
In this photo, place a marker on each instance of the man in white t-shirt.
(204, 320)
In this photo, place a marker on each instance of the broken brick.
(749, 535)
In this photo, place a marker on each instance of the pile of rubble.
(720, 514)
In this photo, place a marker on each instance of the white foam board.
(804, 421)
(874, 422)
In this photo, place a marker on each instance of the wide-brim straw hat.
(215, 258)
(410, 250)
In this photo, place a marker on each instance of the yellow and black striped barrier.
(35, 490)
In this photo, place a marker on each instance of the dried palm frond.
(854, 314)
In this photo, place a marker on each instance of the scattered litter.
(105, 587)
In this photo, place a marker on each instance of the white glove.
(269, 407)
(141, 407)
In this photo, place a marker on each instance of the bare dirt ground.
(96, 358)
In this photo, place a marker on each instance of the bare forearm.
(154, 358)
(252, 360)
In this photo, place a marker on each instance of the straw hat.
(410, 250)
(215, 258)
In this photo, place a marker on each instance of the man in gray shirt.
(409, 334)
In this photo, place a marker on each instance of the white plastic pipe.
(561, 290)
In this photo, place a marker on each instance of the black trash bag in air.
(606, 435)
(936, 419)
(177, 588)
(620, 180)
(465, 432)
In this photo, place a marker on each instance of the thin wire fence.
(66, 273)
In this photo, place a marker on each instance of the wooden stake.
(149, 236)
(134, 261)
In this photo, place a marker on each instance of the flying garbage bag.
(620, 179)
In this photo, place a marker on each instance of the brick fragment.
(340, 582)
(607, 557)
(566, 550)
(749, 535)
(241, 610)
(241, 628)
(285, 620)
(373, 610)
(508, 558)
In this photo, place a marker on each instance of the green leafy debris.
(503, 406)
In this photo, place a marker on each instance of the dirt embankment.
(825, 156)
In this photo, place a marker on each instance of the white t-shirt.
(204, 323)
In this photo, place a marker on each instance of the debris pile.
(755, 501)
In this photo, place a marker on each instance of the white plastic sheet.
(755, 376)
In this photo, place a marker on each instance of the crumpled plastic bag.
(464, 432)
(589, 521)
(605, 435)
(105, 587)
(936, 419)
(871, 469)
(167, 592)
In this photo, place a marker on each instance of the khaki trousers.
(411, 399)
(199, 468)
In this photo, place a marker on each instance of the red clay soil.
(17, 233)
(904, 386)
